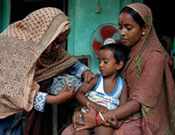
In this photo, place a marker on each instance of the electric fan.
(102, 35)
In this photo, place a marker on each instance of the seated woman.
(151, 89)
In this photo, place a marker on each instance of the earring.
(143, 33)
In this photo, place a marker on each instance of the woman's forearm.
(50, 99)
(125, 110)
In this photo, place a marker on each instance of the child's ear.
(119, 65)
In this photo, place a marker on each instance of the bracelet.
(101, 116)
(96, 118)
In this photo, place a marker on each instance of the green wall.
(4, 14)
(84, 20)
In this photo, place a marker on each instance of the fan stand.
(108, 41)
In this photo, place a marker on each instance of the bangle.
(96, 118)
(101, 116)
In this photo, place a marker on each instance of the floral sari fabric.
(25, 44)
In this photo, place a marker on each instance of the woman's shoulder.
(154, 56)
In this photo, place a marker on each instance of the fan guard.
(102, 35)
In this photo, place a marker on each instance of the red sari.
(149, 82)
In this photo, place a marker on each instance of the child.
(108, 91)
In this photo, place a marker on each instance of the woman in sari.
(31, 52)
(150, 109)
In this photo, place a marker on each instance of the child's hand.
(63, 96)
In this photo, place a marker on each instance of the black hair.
(120, 52)
(137, 18)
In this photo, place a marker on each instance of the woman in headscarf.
(31, 52)
(150, 109)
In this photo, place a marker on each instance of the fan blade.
(107, 31)
(96, 46)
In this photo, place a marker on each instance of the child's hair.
(120, 52)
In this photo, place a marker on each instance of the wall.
(84, 21)
(4, 14)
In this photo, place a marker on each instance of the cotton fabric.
(149, 80)
(21, 48)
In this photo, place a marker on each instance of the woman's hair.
(120, 52)
(137, 18)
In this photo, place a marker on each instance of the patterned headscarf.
(24, 61)
(150, 41)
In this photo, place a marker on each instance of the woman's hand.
(66, 95)
(88, 76)
(88, 119)
(111, 121)
(76, 116)
(63, 96)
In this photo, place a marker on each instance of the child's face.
(107, 63)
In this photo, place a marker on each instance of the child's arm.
(83, 89)
(81, 92)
